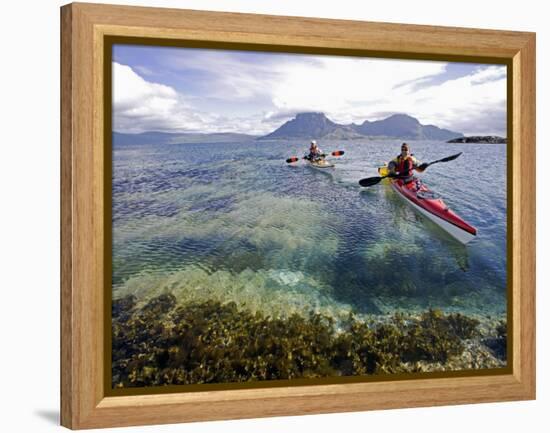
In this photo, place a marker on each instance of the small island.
(485, 139)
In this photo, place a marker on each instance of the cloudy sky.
(198, 90)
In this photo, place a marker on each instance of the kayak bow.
(434, 208)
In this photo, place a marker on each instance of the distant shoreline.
(479, 139)
(155, 137)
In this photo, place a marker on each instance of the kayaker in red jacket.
(404, 164)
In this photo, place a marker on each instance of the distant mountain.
(398, 125)
(406, 127)
(485, 139)
(304, 125)
(155, 137)
(343, 133)
(317, 125)
(432, 132)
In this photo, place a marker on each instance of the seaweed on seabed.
(163, 343)
(133, 331)
(122, 307)
(498, 343)
(435, 337)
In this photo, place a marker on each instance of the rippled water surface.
(235, 222)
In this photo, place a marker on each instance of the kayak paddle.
(447, 159)
(296, 159)
(370, 181)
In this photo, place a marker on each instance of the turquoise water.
(233, 221)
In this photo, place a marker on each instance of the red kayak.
(427, 203)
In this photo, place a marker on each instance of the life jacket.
(314, 152)
(405, 166)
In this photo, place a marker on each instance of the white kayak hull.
(456, 232)
(321, 165)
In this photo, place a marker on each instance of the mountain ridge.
(316, 125)
(304, 126)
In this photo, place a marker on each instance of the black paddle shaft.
(370, 181)
(324, 155)
(446, 159)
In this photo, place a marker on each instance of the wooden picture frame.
(85, 402)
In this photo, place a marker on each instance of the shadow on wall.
(50, 415)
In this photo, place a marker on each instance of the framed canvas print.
(266, 215)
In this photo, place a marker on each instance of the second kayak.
(321, 164)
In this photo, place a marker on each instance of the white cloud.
(144, 70)
(350, 90)
(232, 77)
(473, 104)
(129, 89)
(347, 89)
(140, 105)
(269, 90)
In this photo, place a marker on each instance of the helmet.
(313, 143)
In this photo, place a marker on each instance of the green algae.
(162, 342)
(498, 341)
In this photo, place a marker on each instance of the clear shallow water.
(235, 222)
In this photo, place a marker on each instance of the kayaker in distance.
(404, 164)
(315, 154)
